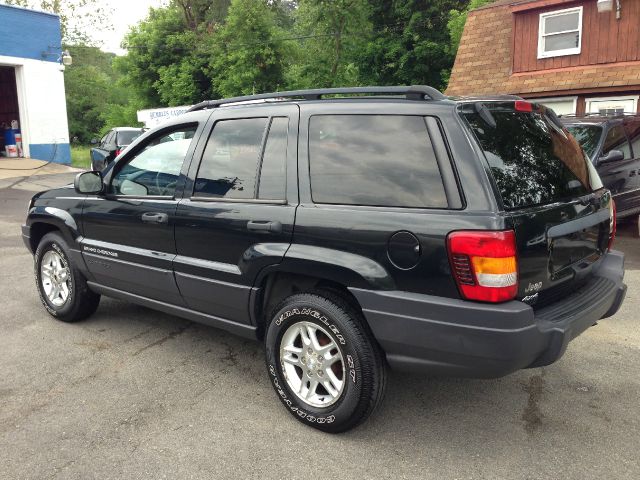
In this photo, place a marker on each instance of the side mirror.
(612, 156)
(89, 183)
(94, 141)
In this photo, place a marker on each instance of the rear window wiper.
(484, 113)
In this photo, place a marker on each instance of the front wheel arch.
(38, 231)
(81, 301)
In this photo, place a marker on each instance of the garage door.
(8, 100)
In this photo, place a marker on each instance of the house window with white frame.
(560, 33)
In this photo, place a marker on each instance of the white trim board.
(551, 100)
(613, 99)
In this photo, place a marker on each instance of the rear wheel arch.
(277, 286)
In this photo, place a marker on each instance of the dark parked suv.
(111, 145)
(613, 145)
(394, 227)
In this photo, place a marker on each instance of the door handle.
(272, 227)
(153, 217)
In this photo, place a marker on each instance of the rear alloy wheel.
(313, 364)
(323, 363)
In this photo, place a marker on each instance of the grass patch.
(81, 156)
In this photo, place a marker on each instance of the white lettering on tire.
(298, 411)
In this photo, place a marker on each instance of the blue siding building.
(32, 83)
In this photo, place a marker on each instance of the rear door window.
(616, 139)
(377, 160)
(532, 157)
(274, 160)
(229, 165)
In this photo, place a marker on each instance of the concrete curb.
(26, 167)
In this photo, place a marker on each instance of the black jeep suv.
(613, 145)
(349, 229)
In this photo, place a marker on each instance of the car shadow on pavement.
(415, 405)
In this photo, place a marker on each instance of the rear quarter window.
(377, 160)
(533, 159)
(126, 137)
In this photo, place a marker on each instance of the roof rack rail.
(414, 92)
(487, 98)
(598, 114)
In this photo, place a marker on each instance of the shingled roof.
(485, 63)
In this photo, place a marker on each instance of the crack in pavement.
(167, 337)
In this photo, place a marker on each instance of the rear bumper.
(461, 338)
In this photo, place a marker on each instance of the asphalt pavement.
(134, 394)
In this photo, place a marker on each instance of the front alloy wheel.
(62, 287)
(55, 279)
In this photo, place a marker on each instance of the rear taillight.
(118, 151)
(484, 264)
(612, 223)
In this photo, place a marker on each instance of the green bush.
(81, 156)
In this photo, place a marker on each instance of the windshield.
(127, 136)
(588, 137)
(532, 157)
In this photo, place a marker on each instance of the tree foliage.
(331, 33)
(156, 49)
(96, 99)
(192, 50)
(412, 43)
(247, 56)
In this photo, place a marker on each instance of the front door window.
(155, 170)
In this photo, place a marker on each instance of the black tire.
(365, 377)
(81, 302)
